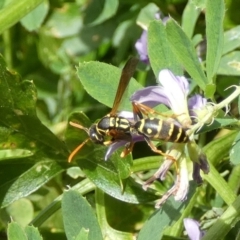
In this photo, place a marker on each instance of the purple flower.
(141, 47)
(172, 92)
(193, 229)
(196, 104)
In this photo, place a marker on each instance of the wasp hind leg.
(160, 173)
(154, 149)
(141, 109)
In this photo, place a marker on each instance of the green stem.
(107, 231)
(15, 11)
(7, 48)
(233, 180)
(220, 185)
(227, 221)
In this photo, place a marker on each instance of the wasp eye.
(94, 135)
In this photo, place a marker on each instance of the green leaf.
(100, 11)
(230, 64)
(78, 214)
(218, 123)
(210, 90)
(159, 51)
(16, 209)
(200, 3)
(16, 232)
(123, 166)
(224, 223)
(83, 235)
(220, 147)
(83, 187)
(14, 11)
(169, 213)
(101, 80)
(34, 19)
(147, 14)
(185, 53)
(235, 151)
(32, 233)
(25, 176)
(64, 22)
(18, 114)
(75, 136)
(106, 177)
(214, 32)
(189, 18)
(231, 39)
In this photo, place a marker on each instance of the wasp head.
(95, 135)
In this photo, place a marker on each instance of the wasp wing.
(127, 72)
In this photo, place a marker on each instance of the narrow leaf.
(78, 214)
(218, 123)
(159, 51)
(185, 53)
(220, 147)
(214, 31)
(24, 177)
(230, 64)
(83, 235)
(189, 18)
(231, 39)
(235, 151)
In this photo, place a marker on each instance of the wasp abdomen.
(157, 129)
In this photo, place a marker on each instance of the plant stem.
(14, 11)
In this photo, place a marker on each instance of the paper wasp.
(120, 128)
(116, 127)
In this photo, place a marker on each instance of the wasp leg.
(139, 107)
(169, 193)
(154, 149)
(167, 156)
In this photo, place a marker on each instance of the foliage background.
(44, 46)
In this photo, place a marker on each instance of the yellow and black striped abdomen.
(157, 129)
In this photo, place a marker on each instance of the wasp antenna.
(76, 150)
(78, 126)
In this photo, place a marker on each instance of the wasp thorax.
(95, 135)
